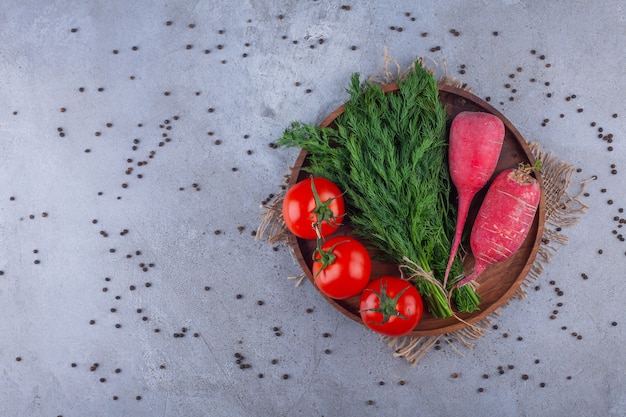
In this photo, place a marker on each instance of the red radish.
(475, 143)
(504, 218)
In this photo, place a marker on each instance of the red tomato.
(342, 267)
(313, 201)
(391, 306)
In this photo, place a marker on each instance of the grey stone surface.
(193, 236)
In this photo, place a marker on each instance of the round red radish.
(475, 143)
(504, 219)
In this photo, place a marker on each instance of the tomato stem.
(322, 210)
(326, 257)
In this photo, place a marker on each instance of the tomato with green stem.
(391, 306)
(313, 208)
(341, 267)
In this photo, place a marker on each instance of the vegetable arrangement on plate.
(389, 156)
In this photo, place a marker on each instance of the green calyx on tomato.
(322, 211)
(325, 256)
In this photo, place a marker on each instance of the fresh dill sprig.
(388, 152)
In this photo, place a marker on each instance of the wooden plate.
(498, 283)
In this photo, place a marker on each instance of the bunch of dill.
(388, 152)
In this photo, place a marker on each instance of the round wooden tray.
(498, 283)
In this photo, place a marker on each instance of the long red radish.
(504, 218)
(475, 143)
